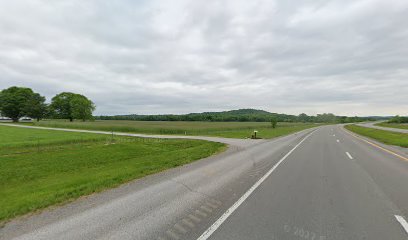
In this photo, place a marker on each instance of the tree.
(396, 119)
(326, 118)
(69, 105)
(36, 107)
(274, 122)
(61, 105)
(13, 102)
(303, 117)
(82, 107)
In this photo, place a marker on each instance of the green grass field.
(394, 125)
(221, 129)
(40, 168)
(387, 137)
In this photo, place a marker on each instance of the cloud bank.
(348, 57)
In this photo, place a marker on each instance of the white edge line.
(349, 155)
(402, 221)
(227, 213)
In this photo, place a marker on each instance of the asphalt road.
(372, 125)
(333, 186)
(317, 184)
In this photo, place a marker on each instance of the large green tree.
(303, 117)
(274, 122)
(82, 107)
(14, 102)
(72, 106)
(36, 107)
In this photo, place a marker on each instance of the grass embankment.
(39, 168)
(394, 125)
(220, 129)
(387, 137)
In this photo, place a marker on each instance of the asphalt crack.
(195, 191)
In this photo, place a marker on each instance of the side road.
(372, 125)
(229, 141)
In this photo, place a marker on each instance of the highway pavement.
(319, 184)
(333, 186)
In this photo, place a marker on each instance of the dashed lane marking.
(377, 146)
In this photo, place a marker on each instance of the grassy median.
(393, 125)
(39, 168)
(387, 137)
(219, 129)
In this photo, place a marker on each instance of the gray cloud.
(343, 56)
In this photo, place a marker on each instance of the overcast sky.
(348, 57)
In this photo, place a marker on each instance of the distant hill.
(240, 115)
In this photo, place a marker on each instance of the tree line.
(18, 102)
(241, 115)
(398, 119)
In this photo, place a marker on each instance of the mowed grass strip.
(387, 137)
(394, 125)
(220, 129)
(16, 140)
(65, 165)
